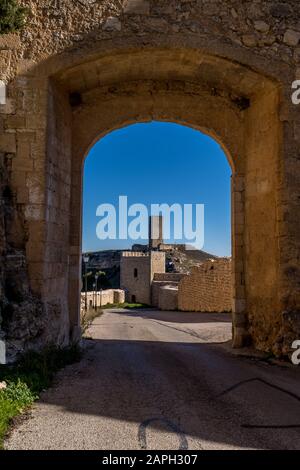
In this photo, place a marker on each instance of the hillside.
(181, 260)
(178, 259)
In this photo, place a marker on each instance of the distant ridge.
(178, 259)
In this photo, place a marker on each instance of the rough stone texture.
(261, 26)
(137, 272)
(112, 24)
(104, 297)
(155, 290)
(168, 277)
(137, 7)
(119, 296)
(22, 318)
(208, 288)
(209, 65)
(155, 232)
(291, 37)
(161, 280)
(168, 298)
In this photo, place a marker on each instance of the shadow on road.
(176, 317)
(191, 389)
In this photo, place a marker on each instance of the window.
(135, 273)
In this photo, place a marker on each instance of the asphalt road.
(162, 380)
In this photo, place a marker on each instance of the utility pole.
(94, 295)
(85, 260)
(96, 282)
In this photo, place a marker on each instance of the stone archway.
(200, 91)
(61, 102)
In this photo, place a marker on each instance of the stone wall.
(103, 298)
(168, 277)
(137, 272)
(23, 321)
(135, 276)
(155, 290)
(168, 298)
(208, 288)
(158, 264)
(81, 69)
(161, 280)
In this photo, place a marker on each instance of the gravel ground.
(164, 380)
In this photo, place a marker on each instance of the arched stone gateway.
(81, 69)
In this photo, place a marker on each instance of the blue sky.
(158, 163)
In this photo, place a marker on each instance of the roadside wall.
(104, 297)
(168, 298)
(208, 288)
(160, 280)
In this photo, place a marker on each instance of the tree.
(98, 275)
(12, 16)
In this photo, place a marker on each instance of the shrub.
(26, 379)
(12, 16)
(18, 392)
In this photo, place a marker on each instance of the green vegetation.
(87, 317)
(95, 276)
(25, 380)
(12, 16)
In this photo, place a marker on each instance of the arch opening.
(167, 170)
(232, 103)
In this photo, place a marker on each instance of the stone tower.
(155, 231)
(137, 273)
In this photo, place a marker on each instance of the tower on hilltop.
(155, 231)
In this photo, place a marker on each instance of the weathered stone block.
(291, 37)
(15, 122)
(9, 107)
(249, 40)
(5, 56)
(261, 26)
(208, 288)
(168, 298)
(112, 24)
(8, 143)
(230, 91)
(35, 212)
(281, 10)
(137, 7)
(10, 41)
